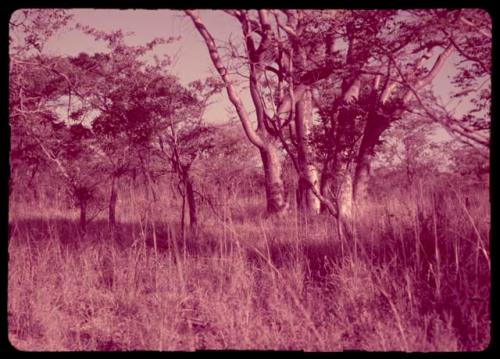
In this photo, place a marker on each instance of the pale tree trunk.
(361, 178)
(345, 202)
(363, 169)
(325, 185)
(275, 190)
(308, 201)
(112, 203)
(269, 153)
(345, 193)
(337, 182)
(337, 175)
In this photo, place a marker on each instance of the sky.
(146, 25)
(190, 56)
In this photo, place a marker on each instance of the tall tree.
(396, 63)
(279, 59)
(428, 55)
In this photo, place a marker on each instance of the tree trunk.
(375, 126)
(83, 215)
(362, 177)
(275, 190)
(303, 122)
(345, 203)
(12, 175)
(345, 195)
(183, 214)
(193, 220)
(112, 203)
(326, 182)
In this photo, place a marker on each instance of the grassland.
(415, 277)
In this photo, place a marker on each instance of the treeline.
(335, 94)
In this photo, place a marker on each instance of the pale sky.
(191, 60)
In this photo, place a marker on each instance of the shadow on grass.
(168, 237)
(68, 232)
(279, 250)
(460, 291)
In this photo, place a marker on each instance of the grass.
(416, 277)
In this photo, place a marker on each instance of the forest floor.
(414, 277)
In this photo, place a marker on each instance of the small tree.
(122, 109)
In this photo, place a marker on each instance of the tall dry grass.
(415, 277)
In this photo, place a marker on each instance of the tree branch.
(438, 65)
(481, 31)
(468, 57)
(447, 122)
(233, 96)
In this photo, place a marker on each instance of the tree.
(75, 149)
(397, 59)
(279, 78)
(35, 88)
(144, 114)
(471, 166)
(259, 137)
(230, 167)
(186, 138)
(118, 117)
(123, 111)
(355, 116)
(343, 51)
(32, 88)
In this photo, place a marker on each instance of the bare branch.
(233, 96)
(481, 31)
(448, 122)
(235, 13)
(438, 65)
(286, 27)
(467, 56)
